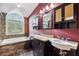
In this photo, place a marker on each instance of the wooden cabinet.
(44, 48)
(41, 48)
(65, 16)
(69, 12)
(71, 52)
(58, 15)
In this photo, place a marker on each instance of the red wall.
(72, 33)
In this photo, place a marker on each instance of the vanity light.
(47, 7)
(43, 9)
(41, 12)
(51, 6)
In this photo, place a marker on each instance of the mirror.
(36, 22)
(47, 21)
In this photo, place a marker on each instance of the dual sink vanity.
(46, 45)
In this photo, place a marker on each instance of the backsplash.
(3, 30)
(73, 34)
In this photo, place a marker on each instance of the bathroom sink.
(62, 44)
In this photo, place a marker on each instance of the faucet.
(58, 37)
(68, 38)
(62, 38)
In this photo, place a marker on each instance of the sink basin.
(62, 44)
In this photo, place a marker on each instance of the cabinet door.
(69, 12)
(41, 48)
(35, 47)
(69, 15)
(58, 15)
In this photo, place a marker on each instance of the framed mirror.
(36, 22)
(47, 20)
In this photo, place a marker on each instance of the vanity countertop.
(13, 40)
(41, 37)
(52, 40)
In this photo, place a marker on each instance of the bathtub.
(13, 40)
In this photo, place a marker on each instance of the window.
(14, 23)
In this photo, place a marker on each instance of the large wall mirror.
(47, 20)
(14, 23)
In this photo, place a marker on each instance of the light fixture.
(41, 11)
(51, 5)
(18, 5)
(47, 7)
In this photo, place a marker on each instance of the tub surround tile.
(14, 46)
(13, 49)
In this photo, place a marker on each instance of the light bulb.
(47, 7)
(41, 11)
(51, 5)
(18, 5)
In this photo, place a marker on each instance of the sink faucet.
(62, 37)
(58, 37)
(68, 38)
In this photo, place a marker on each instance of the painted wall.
(72, 33)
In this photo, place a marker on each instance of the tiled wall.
(13, 49)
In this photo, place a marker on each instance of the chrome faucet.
(62, 38)
(58, 37)
(68, 38)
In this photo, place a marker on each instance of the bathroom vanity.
(46, 46)
(41, 48)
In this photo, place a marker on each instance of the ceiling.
(25, 8)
